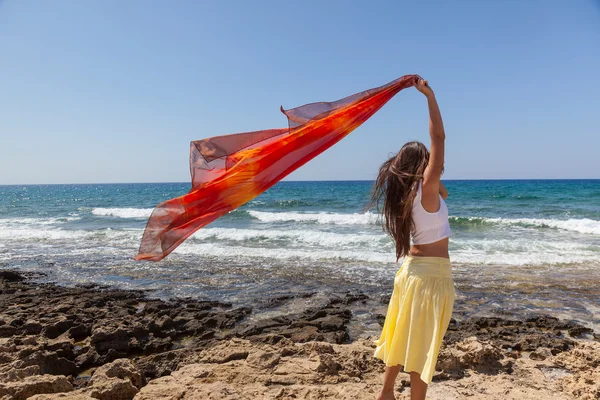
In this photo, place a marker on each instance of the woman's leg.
(418, 388)
(389, 379)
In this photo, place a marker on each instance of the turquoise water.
(517, 246)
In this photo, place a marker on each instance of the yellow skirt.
(418, 315)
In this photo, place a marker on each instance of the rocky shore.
(100, 343)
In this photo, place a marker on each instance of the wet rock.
(49, 363)
(157, 345)
(105, 339)
(528, 335)
(11, 276)
(111, 355)
(161, 324)
(32, 328)
(350, 298)
(274, 301)
(328, 323)
(57, 328)
(88, 358)
(79, 331)
(7, 331)
(62, 348)
(273, 339)
(579, 331)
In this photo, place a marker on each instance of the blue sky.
(114, 91)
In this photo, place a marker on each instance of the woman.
(410, 196)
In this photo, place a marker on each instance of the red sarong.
(228, 171)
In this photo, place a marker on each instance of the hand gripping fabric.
(228, 171)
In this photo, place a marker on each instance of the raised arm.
(433, 172)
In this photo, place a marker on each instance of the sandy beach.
(92, 342)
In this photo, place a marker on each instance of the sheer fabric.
(228, 171)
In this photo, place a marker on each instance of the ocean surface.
(518, 246)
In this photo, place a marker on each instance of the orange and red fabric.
(228, 171)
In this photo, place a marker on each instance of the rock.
(57, 328)
(165, 388)
(32, 328)
(111, 355)
(327, 364)
(29, 341)
(320, 348)
(49, 363)
(157, 365)
(113, 389)
(263, 359)
(350, 298)
(63, 396)
(161, 324)
(327, 323)
(7, 347)
(33, 385)
(528, 335)
(106, 338)
(471, 354)
(118, 380)
(274, 301)
(578, 331)
(282, 380)
(121, 369)
(62, 348)
(7, 331)
(11, 276)
(15, 374)
(227, 355)
(87, 358)
(540, 354)
(79, 331)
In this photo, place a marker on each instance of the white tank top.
(429, 227)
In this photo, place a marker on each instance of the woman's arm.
(433, 172)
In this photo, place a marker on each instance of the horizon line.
(302, 180)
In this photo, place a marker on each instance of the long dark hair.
(394, 191)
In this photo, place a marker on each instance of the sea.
(519, 247)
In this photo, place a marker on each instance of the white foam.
(518, 252)
(584, 225)
(7, 222)
(581, 225)
(83, 237)
(319, 218)
(40, 234)
(123, 212)
(220, 251)
(327, 239)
